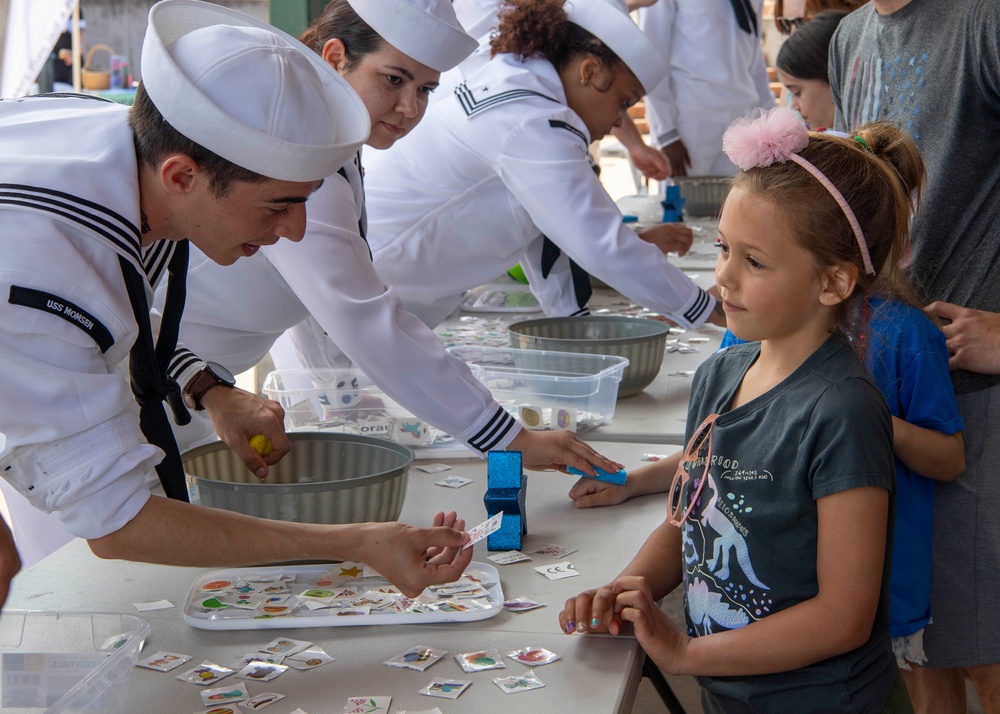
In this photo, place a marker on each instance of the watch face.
(223, 374)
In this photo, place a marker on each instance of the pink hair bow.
(776, 136)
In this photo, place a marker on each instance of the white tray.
(236, 619)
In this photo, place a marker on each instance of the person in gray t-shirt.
(933, 68)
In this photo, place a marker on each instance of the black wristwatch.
(211, 375)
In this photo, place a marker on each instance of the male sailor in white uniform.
(234, 315)
(235, 125)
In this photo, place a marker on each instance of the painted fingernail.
(570, 626)
(262, 472)
(580, 627)
(595, 622)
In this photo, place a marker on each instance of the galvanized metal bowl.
(326, 478)
(704, 195)
(640, 340)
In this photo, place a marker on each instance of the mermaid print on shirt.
(722, 591)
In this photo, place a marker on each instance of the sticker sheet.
(558, 571)
(519, 683)
(233, 693)
(163, 661)
(533, 656)
(480, 661)
(205, 673)
(367, 705)
(488, 526)
(418, 658)
(446, 688)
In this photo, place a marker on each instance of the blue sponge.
(506, 485)
(602, 475)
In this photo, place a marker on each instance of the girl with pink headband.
(780, 510)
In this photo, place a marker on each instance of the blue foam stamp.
(673, 205)
(602, 475)
(506, 486)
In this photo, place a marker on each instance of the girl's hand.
(589, 492)
(591, 611)
(659, 636)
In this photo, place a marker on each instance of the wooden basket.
(94, 79)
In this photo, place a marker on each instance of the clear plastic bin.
(346, 401)
(545, 384)
(55, 662)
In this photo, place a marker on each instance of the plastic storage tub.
(550, 380)
(639, 340)
(326, 478)
(346, 401)
(55, 662)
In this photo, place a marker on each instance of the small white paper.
(147, 606)
(553, 551)
(558, 571)
(484, 529)
(508, 557)
(434, 468)
(453, 482)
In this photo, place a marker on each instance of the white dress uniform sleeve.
(73, 442)
(758, 68)
(657, 22)
(332, 274)
(543, 164)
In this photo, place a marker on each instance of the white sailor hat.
(249, 92)
(609, 22)
(426, 30)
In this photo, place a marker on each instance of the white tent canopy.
(33, 26)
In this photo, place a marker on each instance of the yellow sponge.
(261, 444)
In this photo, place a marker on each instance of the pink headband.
(775, 137)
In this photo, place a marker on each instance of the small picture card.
(249, 657)
(511, 556)
(446, 688)
(434, 468)
(480, 661)
(224, 709)
(367, 705)
(453, 482)
(521, 683)
(412, 432)
(261, 671)
(163, 661)
(522, 604)
(418, 658)
(484, 529)
(435, 710)
(531, 416)
(558, 571)
(214, 586)
(564, 418)
(221, 695)
(553, 551)
(309, 659)
(347, 570)
(533, 656)
(205, 673)
(285, 646)
(260, 701)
